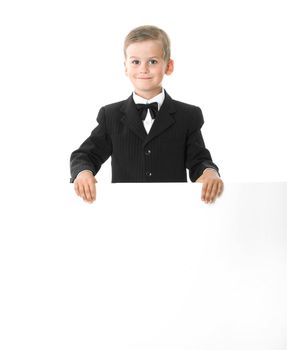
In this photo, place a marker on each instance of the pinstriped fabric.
(173, 144)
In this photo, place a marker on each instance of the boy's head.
(144, 33)
(147, 59)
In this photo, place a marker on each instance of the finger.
(82, 191)
(90, 191)
(93, 191)
(220, 189)
(203, 191)
(214, 192)
(76, 188)
(208, 192)
(88, 197)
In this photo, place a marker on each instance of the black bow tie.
(142, 108)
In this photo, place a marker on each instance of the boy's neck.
(148, 95)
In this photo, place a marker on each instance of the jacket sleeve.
(94, 151)
(198, 157)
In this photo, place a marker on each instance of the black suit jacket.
(173, 144)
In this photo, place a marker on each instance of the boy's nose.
(144, 67)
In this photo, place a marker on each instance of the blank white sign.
(148, 266)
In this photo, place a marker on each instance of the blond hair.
(147, 32)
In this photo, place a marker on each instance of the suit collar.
(163, 121)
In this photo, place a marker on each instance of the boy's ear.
(125, 65)
(169, 67)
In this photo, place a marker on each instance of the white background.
(60, 62)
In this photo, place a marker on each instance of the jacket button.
(147, 152)
(148, 174)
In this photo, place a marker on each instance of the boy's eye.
(135, 62)
(152, 62)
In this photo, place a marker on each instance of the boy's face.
(145, 67)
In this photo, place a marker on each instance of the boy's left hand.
(212, 185)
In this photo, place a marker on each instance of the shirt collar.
(158, 98)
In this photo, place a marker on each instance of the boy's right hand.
(85, 186)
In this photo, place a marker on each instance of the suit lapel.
(131, 118)
(163, 121)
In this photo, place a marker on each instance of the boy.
(150, 137)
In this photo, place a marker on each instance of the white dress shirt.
(158, 98)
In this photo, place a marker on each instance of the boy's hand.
(212, 185)
(85, 186)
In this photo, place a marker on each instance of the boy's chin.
(148, 88)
